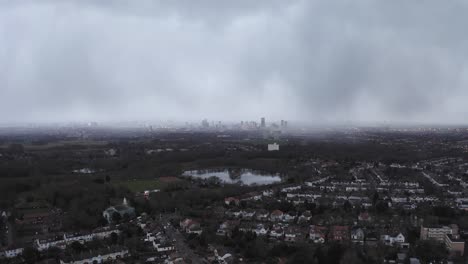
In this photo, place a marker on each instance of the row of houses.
(156, 240)
(66, 239)
(11, 253)
(61, 241)
(414, 199)
(160, 243)
(357, 235)
(264, 215)
(103, 255)
(315, 233)
(278, 231)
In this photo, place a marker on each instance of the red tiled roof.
(277, 212)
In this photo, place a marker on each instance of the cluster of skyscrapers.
(247, 125)
(263, 125)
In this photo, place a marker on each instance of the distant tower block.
(273, 147)
(284, 123)
(262, 122)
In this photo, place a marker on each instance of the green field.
(142, 185)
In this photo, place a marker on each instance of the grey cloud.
(312, 61)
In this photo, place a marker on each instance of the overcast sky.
(316, 61)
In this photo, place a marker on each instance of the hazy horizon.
(317, 62)
(292, 124)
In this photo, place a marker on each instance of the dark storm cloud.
(332, 61)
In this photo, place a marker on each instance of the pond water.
(237, 176)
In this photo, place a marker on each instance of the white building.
(108, 255)
(11, 253)
(277, 232)
(260, 230)
(67, 239)
(165, 247)
(438, 232)
(391, 240)
(273, 147)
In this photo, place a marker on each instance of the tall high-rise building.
(262, 123)
(284, 123)
(205, 123)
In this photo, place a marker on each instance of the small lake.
(235, 176)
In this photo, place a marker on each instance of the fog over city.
(311, 61)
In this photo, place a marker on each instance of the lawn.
(142, 185)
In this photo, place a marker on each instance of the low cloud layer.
(313, 61)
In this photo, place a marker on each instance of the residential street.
(181, 246)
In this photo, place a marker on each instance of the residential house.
(268, 193)
(276, 216)
(364, 217)
(164, 248)
(409, 206)
(297, 201)
(260, 230)
(339, 233)
(318, 233)
(226, 227)
(194, 229)
(235, 213)
(292, 234)
(231, 201)
(248, 214)
(391, 240)
(247, 227)
(305, 217)
(290, 189)
(191, 226)
(277, 232)
(262, 215)
(357, 236)
(252, 196)
(290, 217)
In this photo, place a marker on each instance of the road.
(378, 176)
(181, 247)
(10, 234)
(432, 180)
(6, 233)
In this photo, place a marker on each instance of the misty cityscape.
(269, 132)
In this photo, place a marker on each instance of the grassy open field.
(141, 185)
